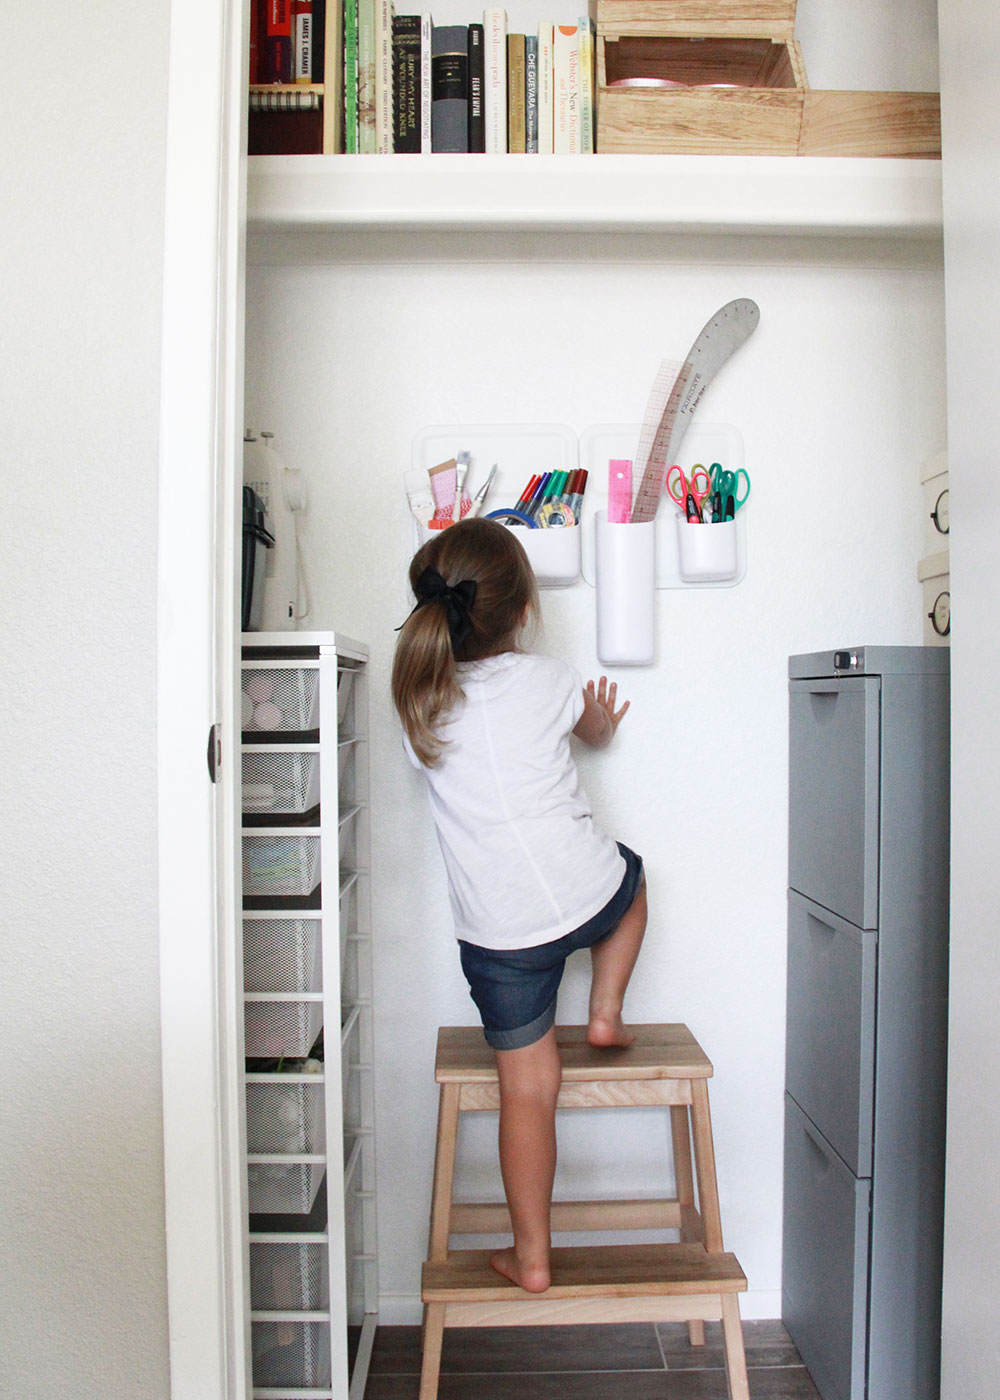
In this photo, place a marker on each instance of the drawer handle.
(818, 1150)
(816, 923)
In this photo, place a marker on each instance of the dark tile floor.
(616, 1362)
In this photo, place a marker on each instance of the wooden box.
(726, 77)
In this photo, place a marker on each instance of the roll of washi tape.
(554, 513)
(513, 517)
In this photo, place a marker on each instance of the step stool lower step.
(597, 1271)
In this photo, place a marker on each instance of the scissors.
(730, 490)
(689, 492)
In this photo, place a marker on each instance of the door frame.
(198, 834)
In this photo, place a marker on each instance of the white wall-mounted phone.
(283, 492)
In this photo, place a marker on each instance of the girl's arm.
(597, 725)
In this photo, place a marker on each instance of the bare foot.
(606, 1031)
(533, 1278)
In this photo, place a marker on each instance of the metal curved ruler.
(731, 325)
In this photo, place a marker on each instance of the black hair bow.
(457, 598)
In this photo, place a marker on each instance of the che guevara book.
(450, 87)
(531, 93)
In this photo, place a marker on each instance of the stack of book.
(488, 90)
(404, 84)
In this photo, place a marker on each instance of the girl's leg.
(529, 1086)
(612, 961)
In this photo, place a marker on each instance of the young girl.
(531, 877)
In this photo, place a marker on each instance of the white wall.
(839, 398)
(82, 1287)
(970, 69)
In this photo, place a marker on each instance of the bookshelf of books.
(649, 77)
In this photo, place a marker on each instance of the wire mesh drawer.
(280, 865)
(282, 783)
(289, 1277)
(275, 700)
(282, 955)
(274, 1188)
(291, 1353)
(285, 1115)
(273, 1028)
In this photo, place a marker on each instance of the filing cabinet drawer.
(833, 824)
(825, 1260)
(830, 1066)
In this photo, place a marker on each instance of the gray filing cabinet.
(867, 1018)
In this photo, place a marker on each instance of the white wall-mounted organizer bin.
(625, 569)
(308, 1015)
(704, 443)
(519, 450)
(628, 563)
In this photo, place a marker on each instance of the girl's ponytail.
(475, 591)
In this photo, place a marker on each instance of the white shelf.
(680, 194)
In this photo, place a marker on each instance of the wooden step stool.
(691, 1281)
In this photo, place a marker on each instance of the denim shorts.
(515, 990)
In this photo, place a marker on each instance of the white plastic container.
(625, 560)
(706, 553)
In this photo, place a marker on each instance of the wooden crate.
(738, 87)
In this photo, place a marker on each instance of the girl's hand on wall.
(600, 719)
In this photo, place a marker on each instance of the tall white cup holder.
(625, 567)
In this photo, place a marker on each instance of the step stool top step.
(659, 1052)
(607, 1270)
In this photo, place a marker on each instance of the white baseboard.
(405, 1309)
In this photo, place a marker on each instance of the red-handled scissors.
(689, 492)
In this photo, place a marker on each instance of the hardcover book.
(566, 67)
(587, 107)
(278, 65)
(383, 77)
(477, 74)
(545, 89)
(515, 93)
(302, 27)
(406, 84)
(531, 93)
(495, 83)
(426, 30)
(450, 87)
(351, 130)
(367, 68)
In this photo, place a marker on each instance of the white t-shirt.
(525, 862)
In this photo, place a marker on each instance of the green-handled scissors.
(730, 490)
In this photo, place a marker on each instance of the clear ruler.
(731, 325)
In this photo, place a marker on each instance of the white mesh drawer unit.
(308, 1014)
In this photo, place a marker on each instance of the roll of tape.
(555, 514)
(513, 517)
